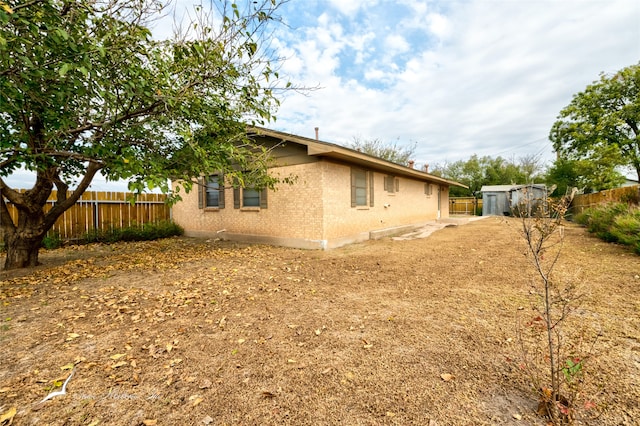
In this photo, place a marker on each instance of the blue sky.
(456, 78)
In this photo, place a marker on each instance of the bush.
(616, 223)
(599, 220)
(52, 240)
(626, 229)
(146, 232)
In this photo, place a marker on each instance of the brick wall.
(293, 211)
(316, 211)
(407, 206)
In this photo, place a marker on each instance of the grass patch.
(615, 223)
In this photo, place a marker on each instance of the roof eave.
(325, 149)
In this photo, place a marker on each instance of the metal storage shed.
(498, 199)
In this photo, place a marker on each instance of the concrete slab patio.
(431, 227)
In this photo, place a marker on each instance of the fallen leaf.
(516, 416)
(447, 377)
(119, 364)
(169, 347)
(68, 366)
(149, 422)
(94, 423)
(291, 361)
(195, 400)
(71, 336)
(116, 357)
(8, 415)
(207, 420)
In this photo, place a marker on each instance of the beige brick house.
(341, 196)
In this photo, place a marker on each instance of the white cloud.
(395, 43)
(493, 85)
(439, 25)
(350, 7)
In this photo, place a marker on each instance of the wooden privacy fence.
(625, 194)
(105, 210)
(464, 205)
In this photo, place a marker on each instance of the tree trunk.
(22, 250)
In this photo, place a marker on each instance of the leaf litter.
(185, 331)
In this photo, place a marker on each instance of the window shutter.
(221, 191)
(263, 198)
(201, 188)
(236, 194)
(353, 188)
(397, 182)
(370, 189)
(386, 183)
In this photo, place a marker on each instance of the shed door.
(492, 207)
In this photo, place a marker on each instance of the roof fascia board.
(325, 149)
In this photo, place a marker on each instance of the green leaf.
(64, 69)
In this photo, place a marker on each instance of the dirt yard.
(194, 332)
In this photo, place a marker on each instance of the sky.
(455, 78)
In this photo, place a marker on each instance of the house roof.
(506, 188)
(325, 149)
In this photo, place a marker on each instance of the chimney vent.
(411, 164)
(317, 134)
(426, 168)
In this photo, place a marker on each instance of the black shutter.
(236, 194)
(263, 198)
(201, 188)
(370, 189)
(221, 191)
(353, 188)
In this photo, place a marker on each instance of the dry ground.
(193, 332)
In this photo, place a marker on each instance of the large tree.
(479, 171)
(86, 89)
(588, 176)
(602, 123)
(390, 151)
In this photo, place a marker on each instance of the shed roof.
(325, 149)
(506, 188)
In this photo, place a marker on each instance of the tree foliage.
(586, 175)
(390, 151)
(479, 171)
(86, 89)
(602, 123)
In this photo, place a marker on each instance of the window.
(361, 188)
(211, 192)
(249, 198)
(391, 184)
(428, 189)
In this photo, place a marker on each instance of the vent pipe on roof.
(426, 168)
(411, 164)
(317, 130)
